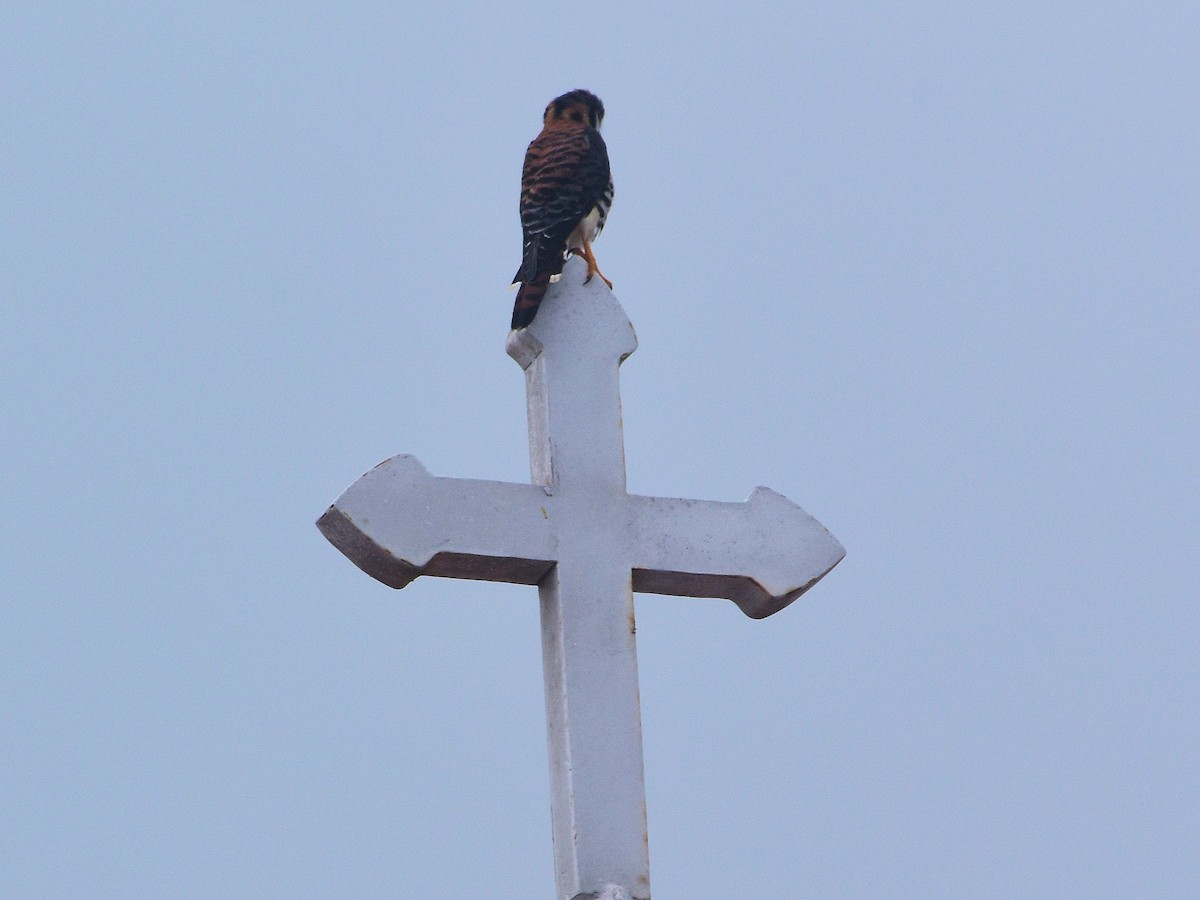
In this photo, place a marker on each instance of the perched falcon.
(566, 190)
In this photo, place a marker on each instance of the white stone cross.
(587, 545)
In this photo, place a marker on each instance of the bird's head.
(575, 107)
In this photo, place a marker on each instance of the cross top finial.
(587, 319)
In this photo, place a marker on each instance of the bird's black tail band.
(529, 298)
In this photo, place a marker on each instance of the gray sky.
(928, 270)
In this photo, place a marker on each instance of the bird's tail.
(529, 298)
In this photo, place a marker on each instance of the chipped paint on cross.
(588, 545)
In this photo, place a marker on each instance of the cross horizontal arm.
(761, 554)
(398, 522)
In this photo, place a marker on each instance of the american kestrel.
(566, 191)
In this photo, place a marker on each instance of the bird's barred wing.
(566, 174)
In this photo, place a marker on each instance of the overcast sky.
(929, 270)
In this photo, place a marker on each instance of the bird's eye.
(575, 116)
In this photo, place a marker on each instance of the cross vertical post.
(587, 544)
(589, 653)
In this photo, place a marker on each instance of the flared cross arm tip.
(761, 554)
(357, 546)
(398, 522)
